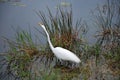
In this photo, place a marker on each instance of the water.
(23, 14)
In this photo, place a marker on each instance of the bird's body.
(65, 54)
(61, 53)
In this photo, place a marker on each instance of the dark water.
(23, 14)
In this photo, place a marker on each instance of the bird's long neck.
(48, 37)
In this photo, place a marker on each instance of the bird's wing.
(65, 54)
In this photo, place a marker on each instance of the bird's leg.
(72, 65)
(60, 61)
(68, 64)
(57, 61)
(64, 63)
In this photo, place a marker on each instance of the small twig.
(3, 54)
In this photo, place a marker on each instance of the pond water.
(22, 14)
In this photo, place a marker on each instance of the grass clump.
(63, 31)
(108, 20)
(20, 55)
(25, 43)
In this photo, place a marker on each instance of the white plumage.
(61, 53)
(65, 54)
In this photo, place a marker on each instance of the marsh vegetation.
(27, 60)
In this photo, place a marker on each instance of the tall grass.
(23, 55)
(108, 20)
(63, 32)
(20, 54)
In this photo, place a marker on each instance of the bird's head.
(41, 24)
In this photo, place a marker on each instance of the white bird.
(59, 52)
